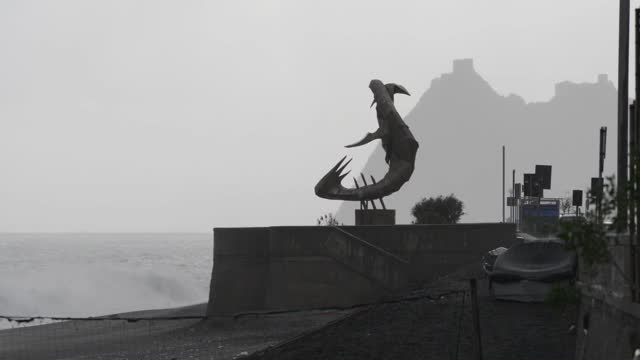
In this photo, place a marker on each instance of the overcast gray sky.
(187, 115)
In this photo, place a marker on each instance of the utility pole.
(632, 193)
(513, 195)
(503, 183)
(600, 188)
(603, 150)
(623, 104)
(635, 173)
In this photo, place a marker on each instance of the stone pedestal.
(375, 217)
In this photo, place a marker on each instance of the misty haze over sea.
(99, 274)
(170, 116)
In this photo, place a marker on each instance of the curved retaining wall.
(304, 267)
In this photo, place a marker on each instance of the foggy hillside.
(461, 123)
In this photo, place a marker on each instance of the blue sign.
(547, 211)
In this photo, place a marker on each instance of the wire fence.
(181, 337)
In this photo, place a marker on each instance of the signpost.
(577, 200)
(596, 194)
(539, 215)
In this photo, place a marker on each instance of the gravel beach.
(223, 338)
(434, 324)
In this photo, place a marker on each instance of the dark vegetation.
(328, 220)
(439, 210)
(588, 238)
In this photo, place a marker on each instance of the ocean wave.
(91, 279)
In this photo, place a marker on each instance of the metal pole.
(357, 187)
(477, 341)
(511, 220)
(513, 194)
(623, 104)
(364, 181)
(503, 183)
(603, 149)
(635, 171)
(518, 212)
(632, 193)
(384, 207)
(599, 193)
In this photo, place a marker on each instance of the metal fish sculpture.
(397, 141)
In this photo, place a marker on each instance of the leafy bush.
(328, 220)
(588, 237)
(440, 210)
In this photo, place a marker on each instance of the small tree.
(327, 220)
(588, 238)
(566, 204)
(440, 210)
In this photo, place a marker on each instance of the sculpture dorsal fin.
(368, 138)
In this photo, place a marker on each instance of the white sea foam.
(98, 274)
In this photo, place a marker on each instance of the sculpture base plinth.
(375, 217)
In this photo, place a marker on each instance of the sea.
(92, 274)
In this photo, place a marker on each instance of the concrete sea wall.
(304, 267)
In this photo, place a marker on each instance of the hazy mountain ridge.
(461, 122)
